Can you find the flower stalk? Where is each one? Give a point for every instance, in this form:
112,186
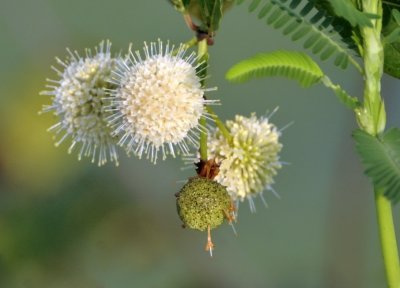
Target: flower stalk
202,55
221,126
189,44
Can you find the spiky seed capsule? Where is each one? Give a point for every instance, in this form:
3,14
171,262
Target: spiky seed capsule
203,203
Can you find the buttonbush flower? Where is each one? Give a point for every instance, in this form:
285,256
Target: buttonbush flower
158,102
78,103
250,160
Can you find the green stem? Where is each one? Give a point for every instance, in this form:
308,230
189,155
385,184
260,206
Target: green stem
189,44
372,119
192,42
203,140
202,55
220,125
388,239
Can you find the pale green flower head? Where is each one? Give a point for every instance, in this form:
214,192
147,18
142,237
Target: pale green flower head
249,162
78,103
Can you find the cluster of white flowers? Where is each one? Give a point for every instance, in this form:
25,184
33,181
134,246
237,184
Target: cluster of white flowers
150,103
153,105
249,160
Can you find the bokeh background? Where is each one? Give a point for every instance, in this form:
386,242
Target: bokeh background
65,223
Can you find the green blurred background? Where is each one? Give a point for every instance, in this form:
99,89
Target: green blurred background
65,223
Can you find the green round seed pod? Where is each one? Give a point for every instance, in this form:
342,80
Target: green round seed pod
203,202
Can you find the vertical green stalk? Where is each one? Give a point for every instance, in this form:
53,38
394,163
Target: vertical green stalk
202,54
388,239
372,119
373,116
203,140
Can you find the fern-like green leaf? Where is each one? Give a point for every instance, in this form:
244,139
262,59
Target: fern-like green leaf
299,19
346,9
350,101
293,65
381,157
211,11
391,33
253,5
185,3
393,37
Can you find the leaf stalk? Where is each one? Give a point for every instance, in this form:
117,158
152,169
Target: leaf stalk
202,55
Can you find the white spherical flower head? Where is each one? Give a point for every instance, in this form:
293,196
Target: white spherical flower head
78,103
159,101
250,160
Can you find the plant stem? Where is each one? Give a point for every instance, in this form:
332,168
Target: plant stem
202,55
203,140
189,44
388,239
220,125
192,42
372,119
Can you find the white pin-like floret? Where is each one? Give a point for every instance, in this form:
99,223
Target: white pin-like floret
77,101
158,102
250,160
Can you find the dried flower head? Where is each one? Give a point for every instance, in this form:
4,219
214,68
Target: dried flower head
78,103
250,160
158,102
203,204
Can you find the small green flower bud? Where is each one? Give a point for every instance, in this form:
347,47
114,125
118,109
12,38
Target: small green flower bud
203,203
